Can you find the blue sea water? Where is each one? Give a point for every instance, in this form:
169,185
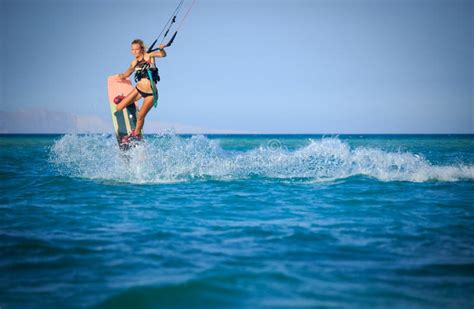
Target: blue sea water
237,221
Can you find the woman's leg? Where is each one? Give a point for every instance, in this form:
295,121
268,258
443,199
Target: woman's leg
132,97
146,106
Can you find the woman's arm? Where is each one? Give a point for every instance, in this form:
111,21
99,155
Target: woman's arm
160,53
128,72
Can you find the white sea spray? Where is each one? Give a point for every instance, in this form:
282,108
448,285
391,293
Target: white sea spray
171,158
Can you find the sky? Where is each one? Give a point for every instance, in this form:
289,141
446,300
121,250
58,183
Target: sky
281,66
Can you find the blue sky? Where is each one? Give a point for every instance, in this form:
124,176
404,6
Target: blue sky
278,66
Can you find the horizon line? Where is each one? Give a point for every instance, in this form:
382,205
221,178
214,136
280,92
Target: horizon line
202,133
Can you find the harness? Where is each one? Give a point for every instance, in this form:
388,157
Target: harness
144,69
141,71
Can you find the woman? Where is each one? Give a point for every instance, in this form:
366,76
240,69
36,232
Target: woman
144,67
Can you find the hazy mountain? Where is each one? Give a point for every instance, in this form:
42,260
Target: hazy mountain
46,121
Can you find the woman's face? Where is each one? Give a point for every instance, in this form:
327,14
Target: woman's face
136,50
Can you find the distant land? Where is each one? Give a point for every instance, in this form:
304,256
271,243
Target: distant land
46,121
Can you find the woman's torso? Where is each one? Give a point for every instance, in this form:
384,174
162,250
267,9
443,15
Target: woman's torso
141,69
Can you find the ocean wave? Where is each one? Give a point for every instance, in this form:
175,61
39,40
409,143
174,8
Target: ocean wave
171,158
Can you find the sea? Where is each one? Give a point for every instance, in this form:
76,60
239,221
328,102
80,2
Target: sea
237,221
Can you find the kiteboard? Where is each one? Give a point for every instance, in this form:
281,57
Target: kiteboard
125,120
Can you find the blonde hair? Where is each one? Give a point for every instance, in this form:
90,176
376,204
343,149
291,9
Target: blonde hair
139,42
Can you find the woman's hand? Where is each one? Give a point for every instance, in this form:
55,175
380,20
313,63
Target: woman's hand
121,77
162,46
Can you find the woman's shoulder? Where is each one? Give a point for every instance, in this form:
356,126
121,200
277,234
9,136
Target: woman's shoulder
147,56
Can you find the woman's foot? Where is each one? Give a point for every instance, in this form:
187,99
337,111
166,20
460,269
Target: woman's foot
133,136
119,99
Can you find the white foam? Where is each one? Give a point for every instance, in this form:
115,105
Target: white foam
170,158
